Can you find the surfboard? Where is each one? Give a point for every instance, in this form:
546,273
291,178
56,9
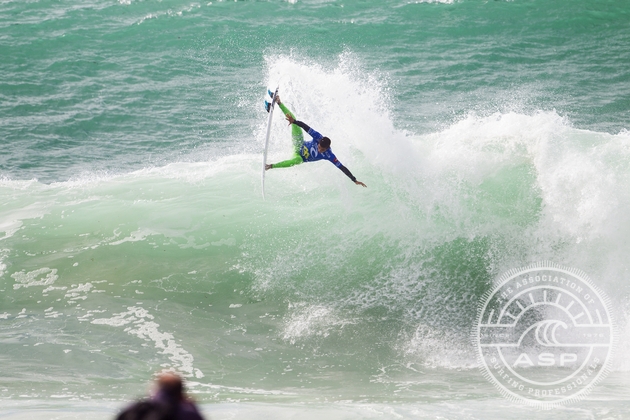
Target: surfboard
269,105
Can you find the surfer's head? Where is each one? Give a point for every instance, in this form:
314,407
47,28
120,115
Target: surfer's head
323,145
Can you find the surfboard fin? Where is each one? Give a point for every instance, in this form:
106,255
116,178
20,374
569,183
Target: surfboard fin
267,102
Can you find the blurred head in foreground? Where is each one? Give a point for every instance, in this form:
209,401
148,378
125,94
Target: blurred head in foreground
169,387
168,403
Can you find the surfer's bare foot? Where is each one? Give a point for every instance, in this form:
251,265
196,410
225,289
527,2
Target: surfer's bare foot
268,166
277,99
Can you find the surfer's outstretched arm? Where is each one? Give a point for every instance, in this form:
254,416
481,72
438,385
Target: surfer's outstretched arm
349,175
295,123
301,125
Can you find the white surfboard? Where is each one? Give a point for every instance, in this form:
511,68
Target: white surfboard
269,100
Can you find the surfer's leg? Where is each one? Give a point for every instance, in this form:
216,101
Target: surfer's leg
297,137
286,110
295,160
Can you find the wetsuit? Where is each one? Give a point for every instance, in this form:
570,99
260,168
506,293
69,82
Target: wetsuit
307,151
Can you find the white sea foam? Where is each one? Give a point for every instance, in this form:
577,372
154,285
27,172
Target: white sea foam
143,327
12,220
78,292
212,388
42,277
438,348
3,255
307,321
138,235
361,123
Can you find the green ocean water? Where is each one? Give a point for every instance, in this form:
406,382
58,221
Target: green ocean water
134,236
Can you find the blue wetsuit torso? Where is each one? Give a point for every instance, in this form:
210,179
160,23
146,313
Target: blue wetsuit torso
309,152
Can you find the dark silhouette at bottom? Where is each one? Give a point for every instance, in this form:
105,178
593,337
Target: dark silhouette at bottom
168,403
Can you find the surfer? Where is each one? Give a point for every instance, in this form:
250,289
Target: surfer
316,149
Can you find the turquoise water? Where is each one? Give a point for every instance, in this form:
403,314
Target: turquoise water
134,237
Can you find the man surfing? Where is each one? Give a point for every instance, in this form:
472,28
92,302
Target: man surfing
316,149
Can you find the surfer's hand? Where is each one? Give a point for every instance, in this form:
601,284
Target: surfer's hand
360,183
290,119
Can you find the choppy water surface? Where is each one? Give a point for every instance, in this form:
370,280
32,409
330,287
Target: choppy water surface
133,234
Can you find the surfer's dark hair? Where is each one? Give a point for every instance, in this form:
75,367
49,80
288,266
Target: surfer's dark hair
325,142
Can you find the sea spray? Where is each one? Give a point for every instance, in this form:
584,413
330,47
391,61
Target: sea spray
130,198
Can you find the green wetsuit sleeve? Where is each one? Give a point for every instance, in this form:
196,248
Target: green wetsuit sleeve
286,110
296,160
